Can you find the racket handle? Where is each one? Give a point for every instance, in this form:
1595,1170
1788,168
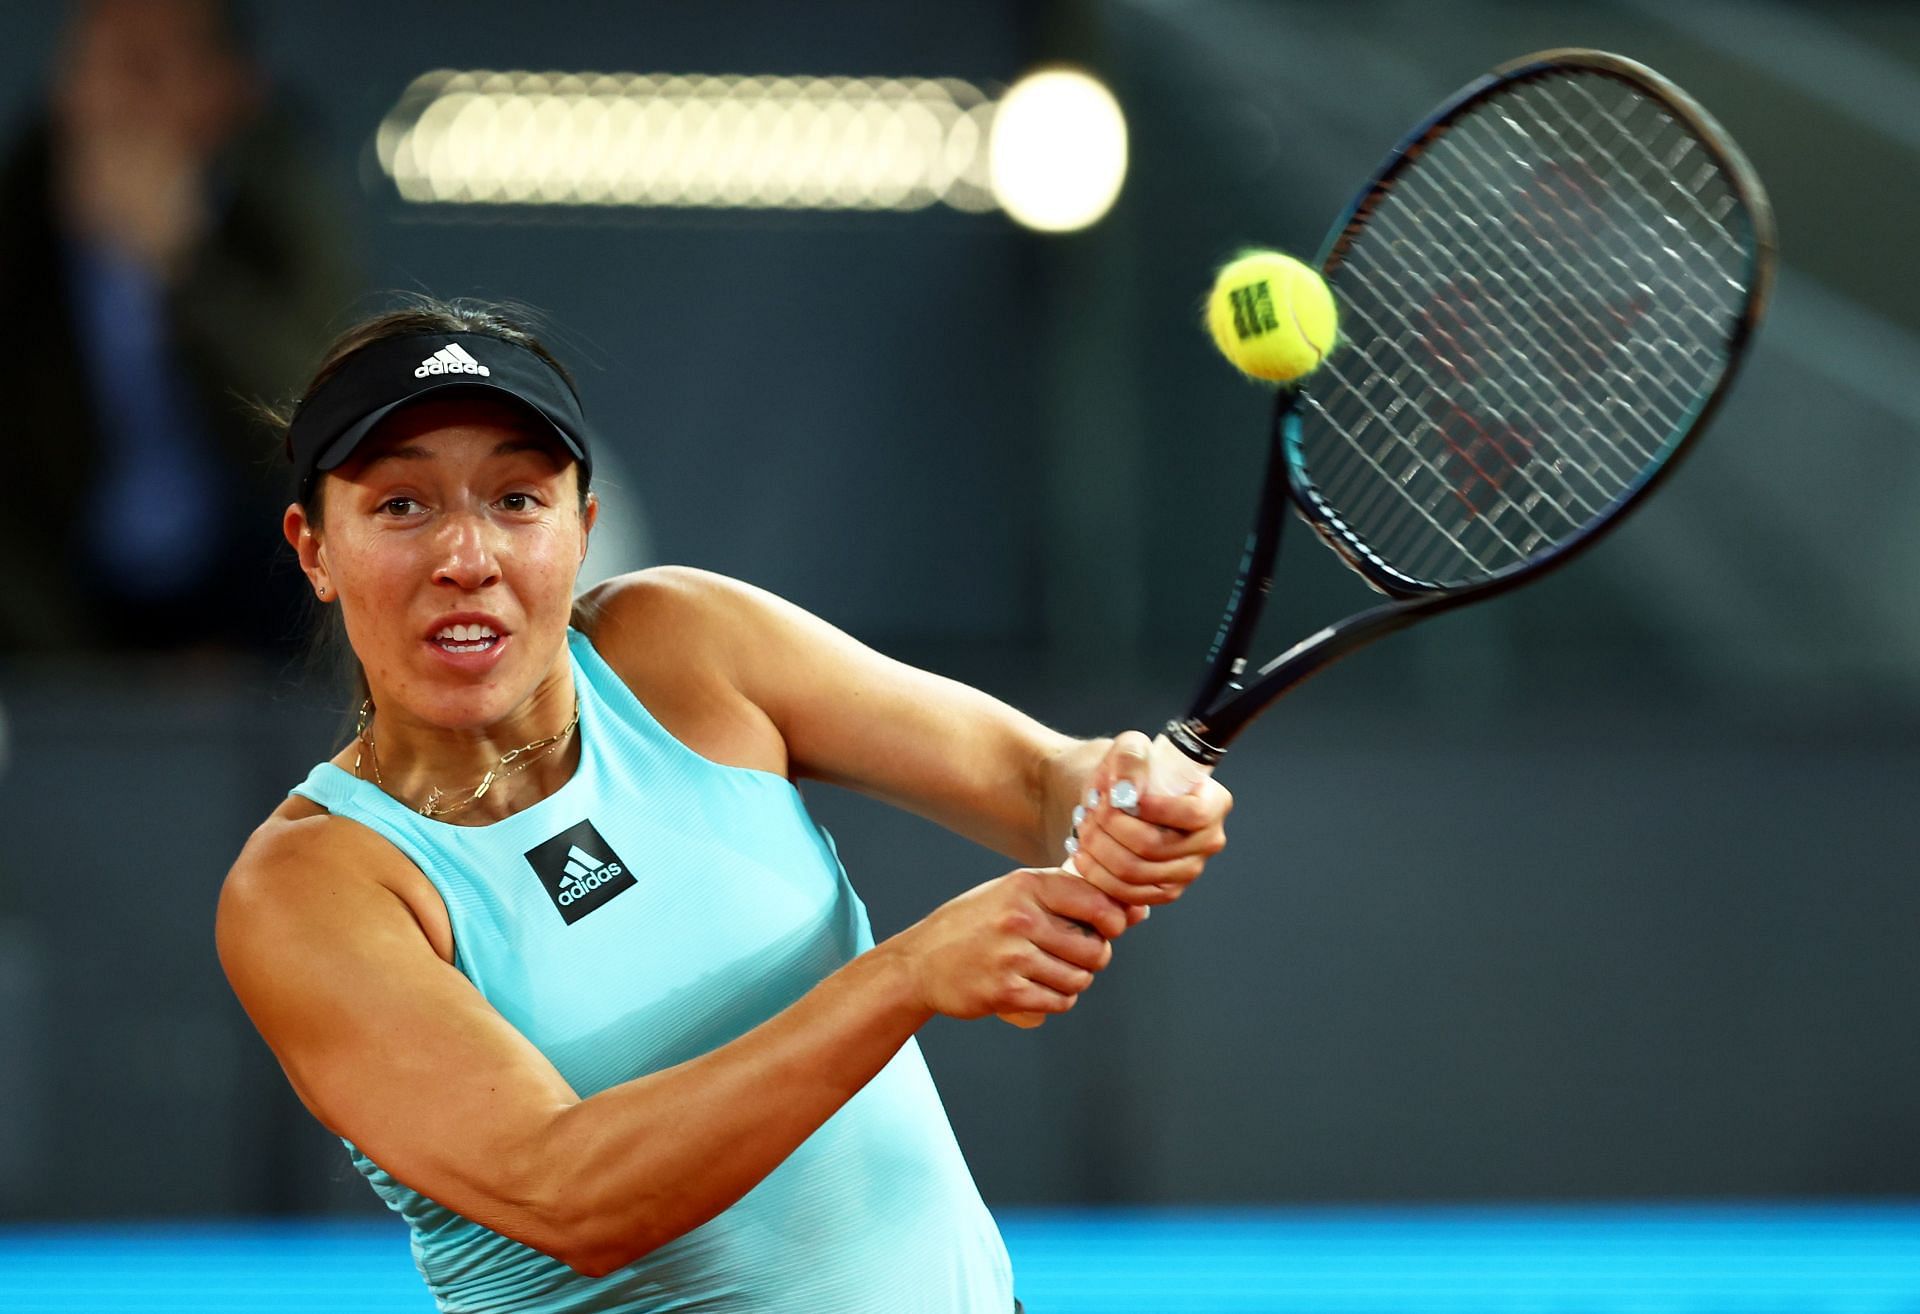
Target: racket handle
1169,771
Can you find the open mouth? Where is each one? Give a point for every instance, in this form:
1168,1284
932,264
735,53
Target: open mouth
466,638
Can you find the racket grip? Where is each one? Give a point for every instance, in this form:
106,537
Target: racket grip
1169,771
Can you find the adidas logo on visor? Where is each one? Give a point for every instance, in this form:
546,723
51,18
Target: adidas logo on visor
451,359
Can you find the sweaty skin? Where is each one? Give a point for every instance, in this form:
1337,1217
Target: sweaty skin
342,952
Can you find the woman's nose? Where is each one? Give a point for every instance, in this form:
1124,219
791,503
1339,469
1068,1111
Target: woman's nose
468,559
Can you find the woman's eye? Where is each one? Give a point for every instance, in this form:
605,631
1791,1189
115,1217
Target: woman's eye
398,506
517,502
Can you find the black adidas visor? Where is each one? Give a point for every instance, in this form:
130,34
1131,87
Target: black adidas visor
378,380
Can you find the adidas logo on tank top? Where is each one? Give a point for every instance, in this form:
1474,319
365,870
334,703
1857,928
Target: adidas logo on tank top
580,871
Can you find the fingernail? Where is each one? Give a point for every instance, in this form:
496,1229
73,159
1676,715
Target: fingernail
1079,815
1145,912
1126,796
1073,846
1093,797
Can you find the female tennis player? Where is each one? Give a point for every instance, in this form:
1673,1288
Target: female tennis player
553,944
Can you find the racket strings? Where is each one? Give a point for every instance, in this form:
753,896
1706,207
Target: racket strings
1445,487
1666,172
1397,385
1534,310
1580,329
1361,511
1716,277
1452,349
1463,436
1556,233
1402,386
1693,265
1611,461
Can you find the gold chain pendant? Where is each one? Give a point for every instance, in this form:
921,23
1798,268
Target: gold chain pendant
432,807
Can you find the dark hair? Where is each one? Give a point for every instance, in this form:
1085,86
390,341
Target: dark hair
415,313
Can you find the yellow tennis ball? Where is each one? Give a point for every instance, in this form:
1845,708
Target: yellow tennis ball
1272,316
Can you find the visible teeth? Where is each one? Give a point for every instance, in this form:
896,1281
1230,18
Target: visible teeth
465,633
481,646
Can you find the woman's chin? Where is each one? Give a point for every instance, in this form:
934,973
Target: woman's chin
471,690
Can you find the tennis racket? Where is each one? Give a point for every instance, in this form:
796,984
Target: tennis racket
1544,293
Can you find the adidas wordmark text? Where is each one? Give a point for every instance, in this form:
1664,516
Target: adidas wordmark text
451,359
579,870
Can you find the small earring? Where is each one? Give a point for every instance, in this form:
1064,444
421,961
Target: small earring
320,592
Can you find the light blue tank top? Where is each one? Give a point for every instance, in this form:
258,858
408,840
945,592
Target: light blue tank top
651,909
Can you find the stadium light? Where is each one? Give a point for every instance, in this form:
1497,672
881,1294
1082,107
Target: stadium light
1059,150
482,138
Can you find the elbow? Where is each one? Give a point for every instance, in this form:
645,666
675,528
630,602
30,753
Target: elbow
595,1252
579,1243
589,1238
592,1264
593,1210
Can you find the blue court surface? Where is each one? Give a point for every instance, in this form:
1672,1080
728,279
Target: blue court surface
1576,1260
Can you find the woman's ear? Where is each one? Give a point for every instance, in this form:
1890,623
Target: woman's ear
305,542
589,517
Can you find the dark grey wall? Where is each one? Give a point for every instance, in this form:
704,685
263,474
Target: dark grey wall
1604,890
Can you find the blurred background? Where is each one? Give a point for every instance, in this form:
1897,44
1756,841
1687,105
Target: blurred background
1600,894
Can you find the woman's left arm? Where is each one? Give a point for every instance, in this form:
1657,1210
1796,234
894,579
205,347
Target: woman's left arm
854,717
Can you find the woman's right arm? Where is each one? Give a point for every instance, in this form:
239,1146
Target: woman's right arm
391,1047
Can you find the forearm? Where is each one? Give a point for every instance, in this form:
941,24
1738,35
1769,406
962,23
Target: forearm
643,1162
970,763
853,717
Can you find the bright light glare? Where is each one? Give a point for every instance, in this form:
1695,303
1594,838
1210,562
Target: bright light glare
1052,153
1058,152
686,140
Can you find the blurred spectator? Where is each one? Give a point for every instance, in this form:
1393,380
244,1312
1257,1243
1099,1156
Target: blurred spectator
167,246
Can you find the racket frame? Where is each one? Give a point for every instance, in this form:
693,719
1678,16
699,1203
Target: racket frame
1209,724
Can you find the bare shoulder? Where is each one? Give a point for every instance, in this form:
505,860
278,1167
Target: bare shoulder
686,641
304,866
384,1040
627,615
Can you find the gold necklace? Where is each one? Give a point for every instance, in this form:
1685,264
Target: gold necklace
539,748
